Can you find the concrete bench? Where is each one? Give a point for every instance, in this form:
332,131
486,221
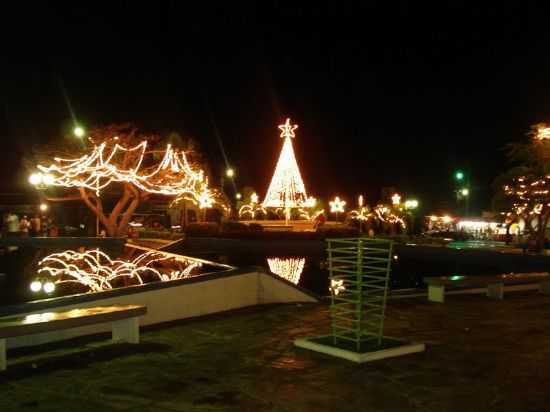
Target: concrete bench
123,318
494,284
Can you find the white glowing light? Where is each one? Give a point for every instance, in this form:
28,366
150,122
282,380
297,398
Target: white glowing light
230,173
337,286
36,286
78,131
446,219
287,188
396,199
49,287
43,207
48,179
360,201
411,204
254,198
543,133
289,268
337,205
35,179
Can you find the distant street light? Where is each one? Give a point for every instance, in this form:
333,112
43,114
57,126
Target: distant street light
465,192
238,196
49,287
79,131
459,175
40,179
43,207
411,204
230,173
36,286
35,179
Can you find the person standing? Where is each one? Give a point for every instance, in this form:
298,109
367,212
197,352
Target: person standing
24,226
35,225
13,224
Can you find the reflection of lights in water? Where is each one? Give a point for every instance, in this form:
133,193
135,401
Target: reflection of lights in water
97,271
337,286
38,317
289,268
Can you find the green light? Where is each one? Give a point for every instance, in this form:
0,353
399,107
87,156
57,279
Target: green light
459,175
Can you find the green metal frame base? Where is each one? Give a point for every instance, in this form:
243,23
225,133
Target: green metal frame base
389,348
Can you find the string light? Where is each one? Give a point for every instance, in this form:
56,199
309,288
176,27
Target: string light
287,188
543,133
95,171
288,268
337,286
396,199
337,205
529,195
362,214
386,214
95,270
251,211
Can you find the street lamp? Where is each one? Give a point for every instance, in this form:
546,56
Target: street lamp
459,175
238,196
465,192
41,179
410,206
79,131
43,207
230,173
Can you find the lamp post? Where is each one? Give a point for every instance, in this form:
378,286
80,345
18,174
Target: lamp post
79,131
410,206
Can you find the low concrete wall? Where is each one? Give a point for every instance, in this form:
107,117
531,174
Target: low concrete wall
231,290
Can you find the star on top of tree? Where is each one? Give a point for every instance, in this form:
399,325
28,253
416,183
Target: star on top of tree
287,130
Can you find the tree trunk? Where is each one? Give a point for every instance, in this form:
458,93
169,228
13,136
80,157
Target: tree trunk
541,231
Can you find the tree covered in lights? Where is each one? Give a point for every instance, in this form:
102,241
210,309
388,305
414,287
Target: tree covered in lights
287,190
116,169
524,190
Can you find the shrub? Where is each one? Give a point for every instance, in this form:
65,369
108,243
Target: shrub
202,229
157,234
231,226
328,232
255,227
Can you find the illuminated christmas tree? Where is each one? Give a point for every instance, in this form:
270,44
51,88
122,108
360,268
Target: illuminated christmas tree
287,188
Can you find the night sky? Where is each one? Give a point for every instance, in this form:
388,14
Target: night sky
391,95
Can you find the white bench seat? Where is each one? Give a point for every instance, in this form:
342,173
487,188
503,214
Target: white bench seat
123,318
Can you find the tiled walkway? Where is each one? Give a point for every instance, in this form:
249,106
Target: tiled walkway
482,355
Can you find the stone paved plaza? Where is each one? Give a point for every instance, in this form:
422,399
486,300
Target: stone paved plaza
482,355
